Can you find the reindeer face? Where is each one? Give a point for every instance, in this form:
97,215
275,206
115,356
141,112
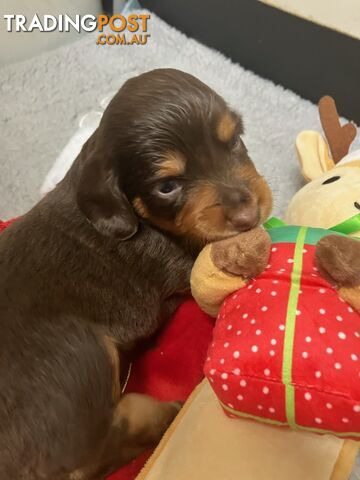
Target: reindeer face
332,195
328,200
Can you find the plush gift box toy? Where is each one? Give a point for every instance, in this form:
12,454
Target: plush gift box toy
286,345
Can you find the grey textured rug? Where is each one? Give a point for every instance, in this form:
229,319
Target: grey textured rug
42,100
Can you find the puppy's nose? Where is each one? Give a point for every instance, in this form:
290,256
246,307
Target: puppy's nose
244,218
233,197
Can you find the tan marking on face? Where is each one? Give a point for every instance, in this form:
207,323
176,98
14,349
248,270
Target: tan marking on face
203,218
226,128
140,208
258,186
172,165
202,215
113,354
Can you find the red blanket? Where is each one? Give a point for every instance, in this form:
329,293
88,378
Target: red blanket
172,369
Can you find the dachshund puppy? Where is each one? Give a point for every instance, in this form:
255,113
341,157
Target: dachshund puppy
101,262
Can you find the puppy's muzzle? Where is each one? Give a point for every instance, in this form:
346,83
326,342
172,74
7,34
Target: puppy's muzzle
241,208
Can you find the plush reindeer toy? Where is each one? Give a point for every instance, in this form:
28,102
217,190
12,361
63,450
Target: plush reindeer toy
286,345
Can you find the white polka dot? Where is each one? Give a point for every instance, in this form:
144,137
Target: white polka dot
225,387
243,383
300,291
307,339
271,409
307,396
275,282
356,408
322,290
254,348
229,327
250,286
212,371
224,376
258,290
208,359
357,334
234,297
273,293
322,330
230,405
268,266
354,357
339,318
290,260
337,365
305,354
253,321
315,269
222,361
271,353
237,307
282,270
240,397
298,312
329,406
318,420
341,335
281,327
238,332
274,249
350,310
260,407
258,332
266,390
345,420
304,250
236,371
273,341
245,315
329,350
226,344
322,311
236,354
264,308
267,372
317,374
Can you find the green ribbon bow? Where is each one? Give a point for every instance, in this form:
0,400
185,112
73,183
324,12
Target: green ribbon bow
351,225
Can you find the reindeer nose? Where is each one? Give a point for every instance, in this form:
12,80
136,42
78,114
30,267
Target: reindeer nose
244,218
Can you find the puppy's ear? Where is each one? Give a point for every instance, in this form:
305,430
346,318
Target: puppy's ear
102,201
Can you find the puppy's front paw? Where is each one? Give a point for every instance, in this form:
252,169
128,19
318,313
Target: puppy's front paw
338,260
246,254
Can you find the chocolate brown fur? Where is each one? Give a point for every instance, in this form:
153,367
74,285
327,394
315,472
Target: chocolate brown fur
83,275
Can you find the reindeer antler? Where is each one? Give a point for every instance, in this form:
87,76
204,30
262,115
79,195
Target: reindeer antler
339,137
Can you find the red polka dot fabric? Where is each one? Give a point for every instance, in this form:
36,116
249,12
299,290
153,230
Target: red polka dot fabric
245,363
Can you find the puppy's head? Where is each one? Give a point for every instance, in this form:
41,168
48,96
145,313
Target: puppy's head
169,150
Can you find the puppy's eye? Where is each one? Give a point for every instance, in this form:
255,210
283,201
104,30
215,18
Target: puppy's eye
169,189
357,205
331,180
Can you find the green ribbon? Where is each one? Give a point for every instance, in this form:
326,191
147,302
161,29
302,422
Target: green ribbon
351,225
274,222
